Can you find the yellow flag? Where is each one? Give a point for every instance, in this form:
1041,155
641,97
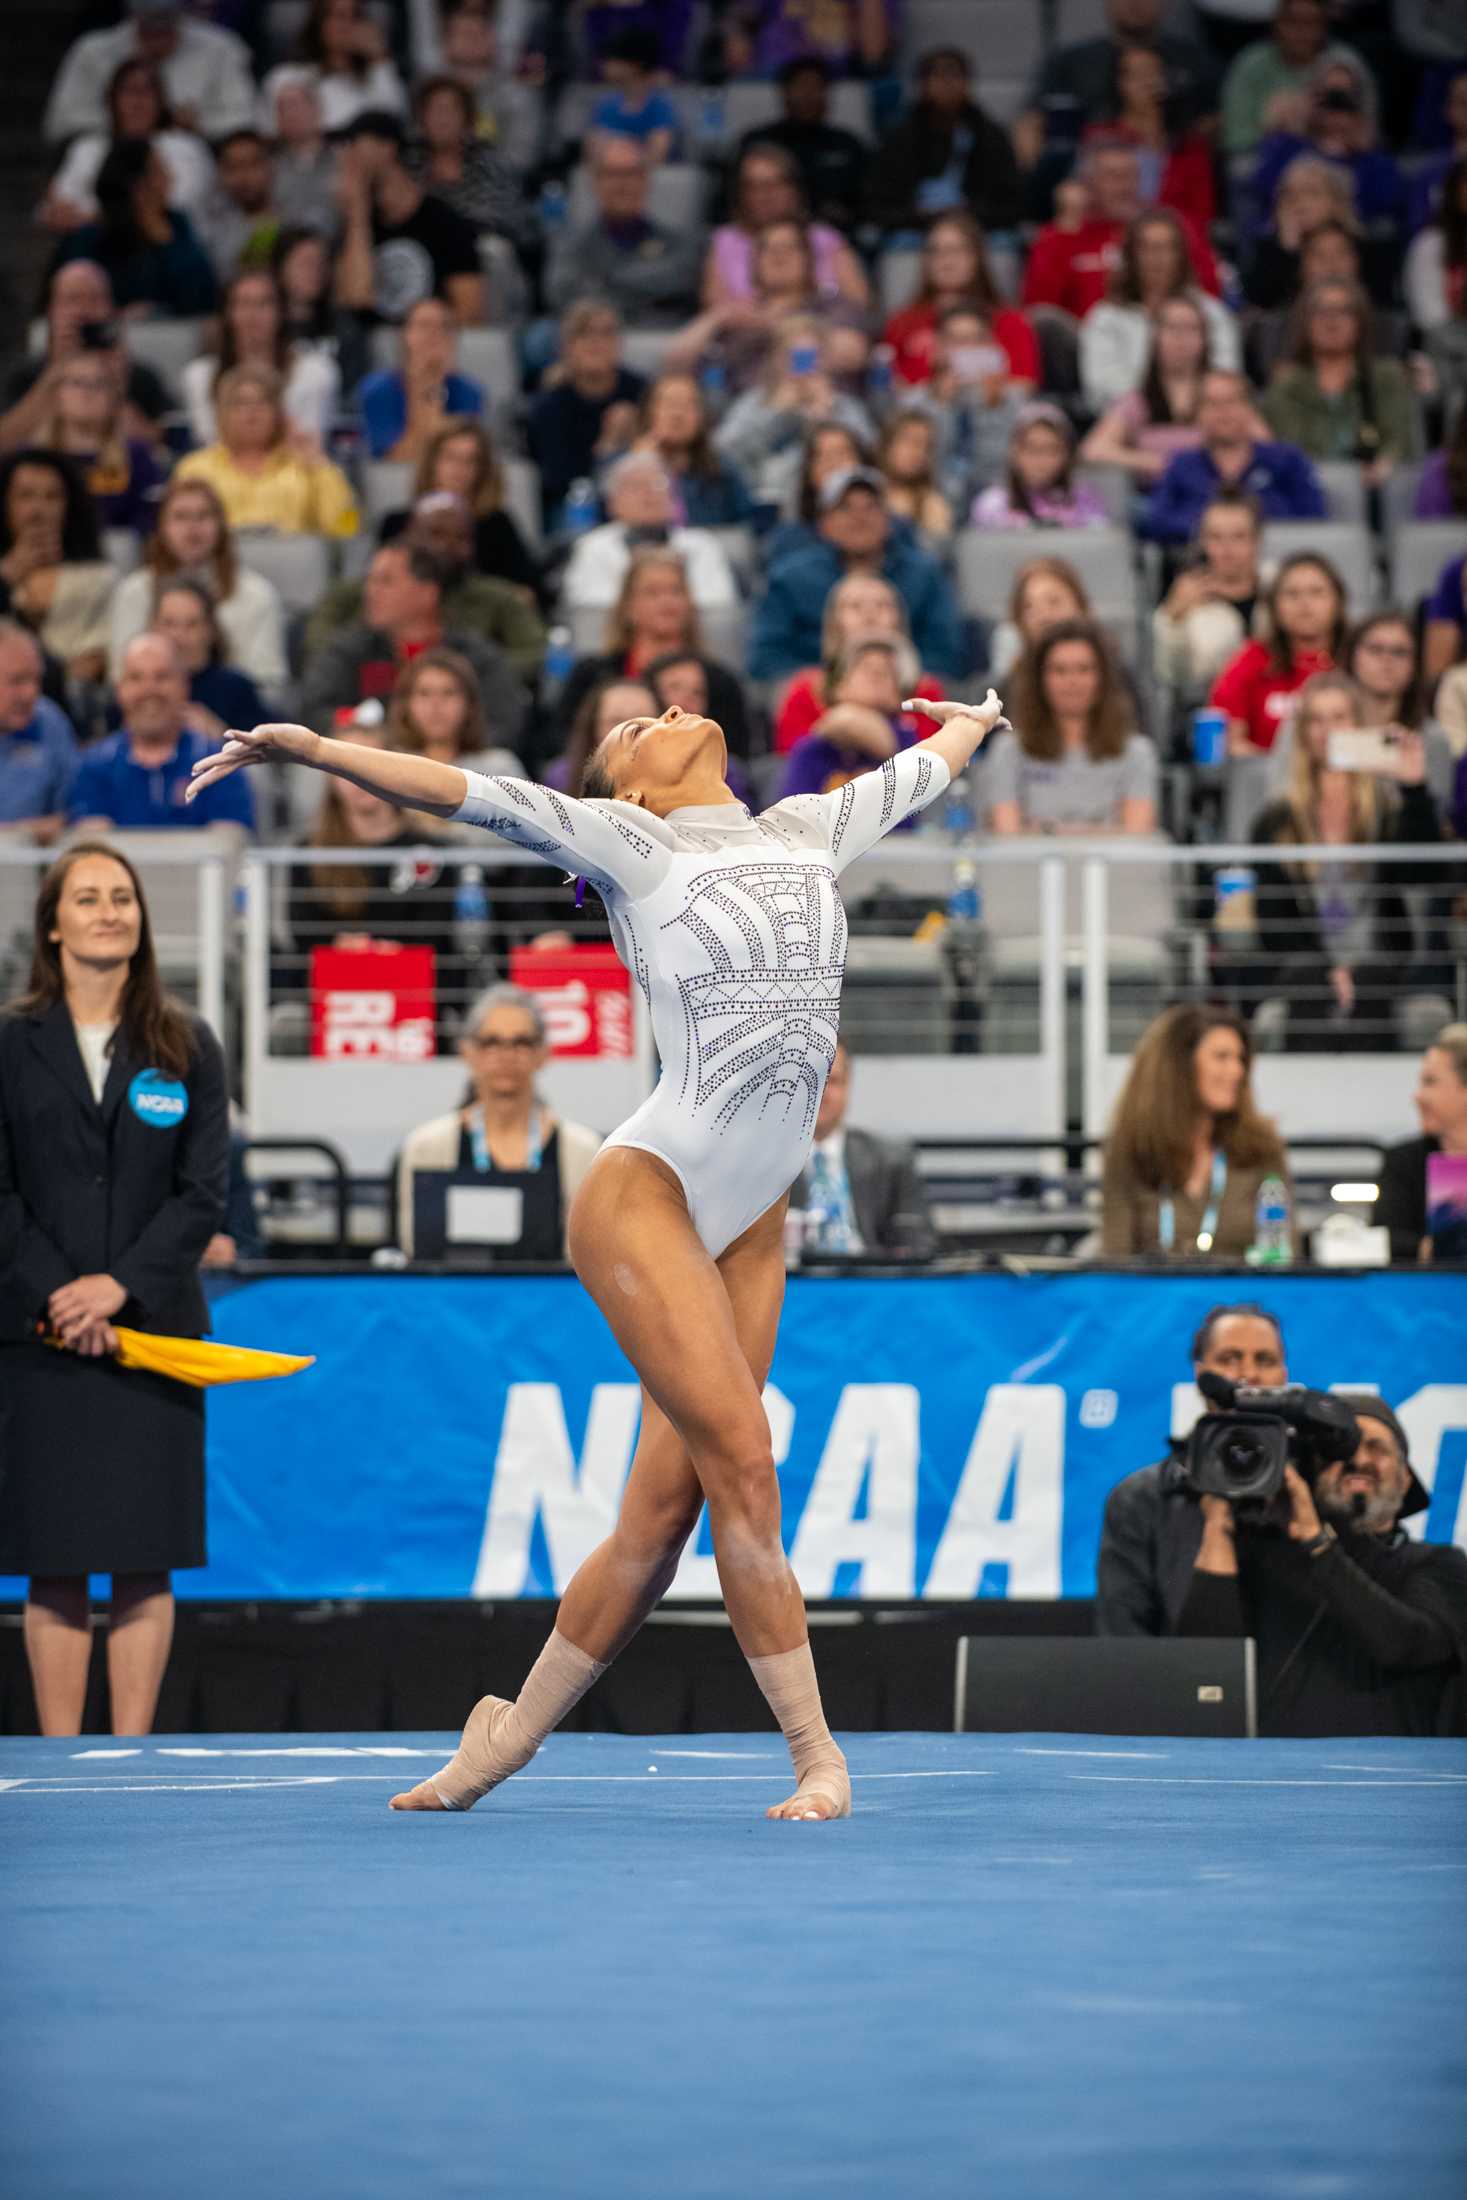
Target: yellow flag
195,1360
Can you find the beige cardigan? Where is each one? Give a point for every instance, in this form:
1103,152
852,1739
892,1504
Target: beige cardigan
435,1146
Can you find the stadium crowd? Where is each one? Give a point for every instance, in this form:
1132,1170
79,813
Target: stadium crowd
472,375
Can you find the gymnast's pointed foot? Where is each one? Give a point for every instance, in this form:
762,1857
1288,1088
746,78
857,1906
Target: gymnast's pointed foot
825,1792
475,1767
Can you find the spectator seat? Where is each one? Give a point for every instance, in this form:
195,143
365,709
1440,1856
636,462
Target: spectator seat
165,346
988,561
19,882
1059,350
898,278
1344,489
1419,550
1112,484
1398,497
644,349
989,32
387,485
747,106
674,197
121,548
300,566
522,499
1348,544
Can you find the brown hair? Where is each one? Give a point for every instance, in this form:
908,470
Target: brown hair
1299,348
1280,648
1153,1129
1057,569
1411,711
488,490
403,734
1112,719
618,637
1125,282
585,740
702,458
159,559
153,1023
983,292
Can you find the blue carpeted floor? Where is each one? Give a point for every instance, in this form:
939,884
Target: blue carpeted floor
1029,1966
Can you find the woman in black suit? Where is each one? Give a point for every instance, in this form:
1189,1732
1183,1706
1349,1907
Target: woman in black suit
114,1151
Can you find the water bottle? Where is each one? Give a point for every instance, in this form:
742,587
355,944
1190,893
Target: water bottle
957,810
879,374
1272,1246
581,508
965,902
560,655
553,205
471,915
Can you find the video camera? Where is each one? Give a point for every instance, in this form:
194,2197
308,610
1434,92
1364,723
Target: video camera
1240,1452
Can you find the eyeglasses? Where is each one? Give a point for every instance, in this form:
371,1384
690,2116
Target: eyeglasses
1388,649
522,1043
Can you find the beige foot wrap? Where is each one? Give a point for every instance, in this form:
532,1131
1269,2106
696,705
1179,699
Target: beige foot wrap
793,1695
500,1737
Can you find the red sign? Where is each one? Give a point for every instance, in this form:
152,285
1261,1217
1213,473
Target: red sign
584,995
373,1004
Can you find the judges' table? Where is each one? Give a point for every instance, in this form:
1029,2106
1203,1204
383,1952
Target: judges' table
939,1436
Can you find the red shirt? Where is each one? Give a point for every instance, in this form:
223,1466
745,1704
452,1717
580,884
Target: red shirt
804,703
1258,690
912,335
1072,267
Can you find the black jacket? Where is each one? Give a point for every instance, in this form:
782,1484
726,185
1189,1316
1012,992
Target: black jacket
1288,915
1400,1205
1369,1638
112,1190
887,1195
918,148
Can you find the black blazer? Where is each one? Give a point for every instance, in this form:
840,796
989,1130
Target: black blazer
1400,1205
88,1190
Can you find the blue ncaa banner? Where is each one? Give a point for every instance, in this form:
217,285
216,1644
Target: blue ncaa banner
937,1436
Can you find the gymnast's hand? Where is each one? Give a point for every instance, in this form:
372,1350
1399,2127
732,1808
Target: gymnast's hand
240,750
962,727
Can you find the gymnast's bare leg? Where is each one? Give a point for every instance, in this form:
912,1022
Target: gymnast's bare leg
701,1335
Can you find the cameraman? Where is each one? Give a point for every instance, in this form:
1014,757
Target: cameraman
1359,1630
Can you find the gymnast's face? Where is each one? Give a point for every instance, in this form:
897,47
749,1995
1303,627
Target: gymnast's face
657,761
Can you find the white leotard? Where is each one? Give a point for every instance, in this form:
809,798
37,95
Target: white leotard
733,928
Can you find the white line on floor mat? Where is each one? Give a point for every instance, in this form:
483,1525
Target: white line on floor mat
1243,1780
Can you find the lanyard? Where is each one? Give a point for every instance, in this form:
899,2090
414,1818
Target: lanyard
1166,1221
479,1145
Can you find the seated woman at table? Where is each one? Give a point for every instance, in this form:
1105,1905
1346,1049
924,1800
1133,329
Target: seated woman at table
1441,1103
504,1135
1337,940
1076,761
1187,1149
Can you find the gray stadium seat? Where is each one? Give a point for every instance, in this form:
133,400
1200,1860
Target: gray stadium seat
19,882
165,346
1112,484
522,498
1344,489
1419,550
299,565
1349,546
121,549
898,277
1398,497
387,485
1102,556
1077,19
992,33
644,349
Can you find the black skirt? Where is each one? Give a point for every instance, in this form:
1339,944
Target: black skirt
101,1468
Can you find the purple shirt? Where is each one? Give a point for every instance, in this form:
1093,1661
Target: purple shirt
1434,490
816,763
1446,599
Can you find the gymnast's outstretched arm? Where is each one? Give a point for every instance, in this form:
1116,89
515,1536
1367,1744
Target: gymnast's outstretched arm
413,782
962,728
610,843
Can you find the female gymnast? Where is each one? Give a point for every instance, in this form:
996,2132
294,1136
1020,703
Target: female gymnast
733,927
